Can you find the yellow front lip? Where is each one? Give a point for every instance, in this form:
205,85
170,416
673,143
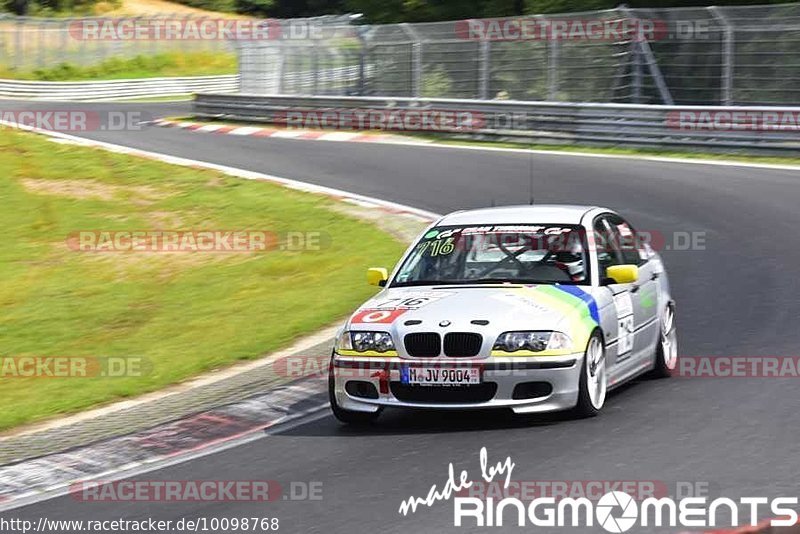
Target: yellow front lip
387,354
529,353
519,353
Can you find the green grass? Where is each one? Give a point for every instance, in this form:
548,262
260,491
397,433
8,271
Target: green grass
169,64
183,313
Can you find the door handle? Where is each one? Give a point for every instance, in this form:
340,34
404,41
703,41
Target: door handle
654,276
634,289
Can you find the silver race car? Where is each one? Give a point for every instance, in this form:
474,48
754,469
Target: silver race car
532,308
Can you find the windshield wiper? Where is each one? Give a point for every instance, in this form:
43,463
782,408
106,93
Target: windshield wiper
421,283
504,281
479,281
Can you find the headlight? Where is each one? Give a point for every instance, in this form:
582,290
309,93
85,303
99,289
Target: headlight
344,342
532,341
365,341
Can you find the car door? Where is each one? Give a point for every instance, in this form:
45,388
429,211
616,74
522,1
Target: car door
609,253
644,293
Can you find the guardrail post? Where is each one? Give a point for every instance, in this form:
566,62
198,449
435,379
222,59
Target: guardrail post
726,93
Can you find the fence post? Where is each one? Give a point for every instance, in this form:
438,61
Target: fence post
361,33
484,69
726,94
416,60
239,48
63,31
553,49
281,67
315,67
636,82
17,63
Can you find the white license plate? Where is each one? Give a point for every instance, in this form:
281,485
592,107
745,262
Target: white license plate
440,376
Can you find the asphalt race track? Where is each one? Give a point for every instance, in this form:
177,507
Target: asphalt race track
738,297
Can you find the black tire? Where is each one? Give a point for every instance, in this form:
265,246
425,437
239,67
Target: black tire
663,368
348,416
585,407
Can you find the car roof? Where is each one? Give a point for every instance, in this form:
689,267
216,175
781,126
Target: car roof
536,214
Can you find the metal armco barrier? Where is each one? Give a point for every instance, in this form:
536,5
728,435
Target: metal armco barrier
115,89
742,129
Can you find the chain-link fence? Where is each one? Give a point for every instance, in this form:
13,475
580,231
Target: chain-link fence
28,43
715,55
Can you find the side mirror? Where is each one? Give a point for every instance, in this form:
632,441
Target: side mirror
377,276
623,274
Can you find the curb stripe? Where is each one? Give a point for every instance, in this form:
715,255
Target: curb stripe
411,141
313,135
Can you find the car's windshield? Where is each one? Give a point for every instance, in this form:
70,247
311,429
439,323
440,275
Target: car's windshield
530,253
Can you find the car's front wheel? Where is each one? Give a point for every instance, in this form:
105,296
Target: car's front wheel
349,417
593,383
667,346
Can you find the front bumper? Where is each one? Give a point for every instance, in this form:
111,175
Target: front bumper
523,384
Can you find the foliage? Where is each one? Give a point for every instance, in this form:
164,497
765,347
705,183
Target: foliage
167,64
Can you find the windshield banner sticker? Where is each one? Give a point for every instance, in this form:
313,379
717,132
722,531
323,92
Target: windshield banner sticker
377,316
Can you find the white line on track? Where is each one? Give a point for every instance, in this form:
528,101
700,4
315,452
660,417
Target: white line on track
564,153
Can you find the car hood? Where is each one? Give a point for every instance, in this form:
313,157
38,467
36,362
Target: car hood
488,309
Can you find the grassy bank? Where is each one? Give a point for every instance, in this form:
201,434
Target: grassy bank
180,313
168,64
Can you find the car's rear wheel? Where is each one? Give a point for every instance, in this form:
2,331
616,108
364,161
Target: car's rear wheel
593,384
349,417
667,346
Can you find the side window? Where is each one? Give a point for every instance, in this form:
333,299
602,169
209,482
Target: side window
608,253
625,237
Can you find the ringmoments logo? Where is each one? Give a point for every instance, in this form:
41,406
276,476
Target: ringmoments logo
605,511
615,511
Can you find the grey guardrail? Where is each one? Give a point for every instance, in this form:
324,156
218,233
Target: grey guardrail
114,89
713,127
